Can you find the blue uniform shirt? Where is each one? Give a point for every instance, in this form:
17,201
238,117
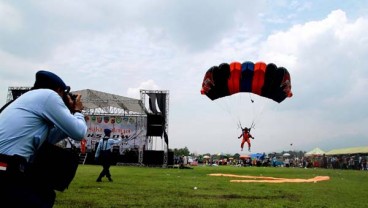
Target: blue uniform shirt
106,145
25,123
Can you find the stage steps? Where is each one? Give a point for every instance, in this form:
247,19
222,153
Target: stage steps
82,158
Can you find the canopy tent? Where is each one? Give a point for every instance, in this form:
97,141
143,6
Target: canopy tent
286,154
244,156
315,152
221,154
258,155
348,151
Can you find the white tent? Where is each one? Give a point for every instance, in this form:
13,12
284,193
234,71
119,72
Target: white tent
349,150
315,152
286,154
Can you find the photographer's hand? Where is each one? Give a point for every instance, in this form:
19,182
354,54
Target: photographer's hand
77,104
68,102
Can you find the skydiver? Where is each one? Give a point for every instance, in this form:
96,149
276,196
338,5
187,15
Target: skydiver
246,135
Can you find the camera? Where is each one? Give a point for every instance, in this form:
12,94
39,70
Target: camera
72,96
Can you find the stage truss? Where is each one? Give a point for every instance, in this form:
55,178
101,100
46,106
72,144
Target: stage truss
144,97
15,92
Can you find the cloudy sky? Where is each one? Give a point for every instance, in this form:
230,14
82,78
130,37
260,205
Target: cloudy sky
123,46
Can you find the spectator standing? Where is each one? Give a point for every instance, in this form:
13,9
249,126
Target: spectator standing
324,161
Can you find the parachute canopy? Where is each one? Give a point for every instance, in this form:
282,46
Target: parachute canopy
266,80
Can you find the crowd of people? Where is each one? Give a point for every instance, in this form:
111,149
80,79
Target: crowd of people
353,162
356,162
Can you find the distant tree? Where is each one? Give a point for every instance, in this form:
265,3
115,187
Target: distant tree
182,151
200,158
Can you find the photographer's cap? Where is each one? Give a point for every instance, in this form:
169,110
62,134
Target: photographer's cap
46,79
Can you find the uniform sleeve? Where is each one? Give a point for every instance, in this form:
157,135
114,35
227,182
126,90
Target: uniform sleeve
56,135
115,141
57,113
97,154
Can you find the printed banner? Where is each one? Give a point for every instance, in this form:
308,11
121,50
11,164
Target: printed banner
132,129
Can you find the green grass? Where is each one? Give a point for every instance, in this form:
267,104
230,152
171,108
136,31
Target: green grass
171,187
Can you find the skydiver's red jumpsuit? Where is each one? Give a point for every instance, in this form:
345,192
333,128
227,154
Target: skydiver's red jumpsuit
246,138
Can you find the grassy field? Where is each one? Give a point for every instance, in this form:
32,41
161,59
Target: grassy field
172,187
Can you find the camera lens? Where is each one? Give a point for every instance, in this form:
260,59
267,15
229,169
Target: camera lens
72,96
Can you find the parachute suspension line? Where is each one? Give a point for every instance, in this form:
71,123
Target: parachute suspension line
252,125
257,111
242,109
254,113
253,104
239,125
250,97
226,106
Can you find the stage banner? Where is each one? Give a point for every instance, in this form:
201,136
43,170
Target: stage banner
132,129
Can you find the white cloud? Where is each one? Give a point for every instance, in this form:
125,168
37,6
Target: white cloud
146,85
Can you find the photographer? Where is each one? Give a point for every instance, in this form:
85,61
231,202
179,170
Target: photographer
46,113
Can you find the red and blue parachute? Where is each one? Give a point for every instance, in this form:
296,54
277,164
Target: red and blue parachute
266,80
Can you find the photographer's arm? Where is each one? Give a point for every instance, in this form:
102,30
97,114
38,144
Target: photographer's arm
59,114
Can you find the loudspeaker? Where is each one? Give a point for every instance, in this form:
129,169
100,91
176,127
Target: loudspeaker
152,157
155,125
170,160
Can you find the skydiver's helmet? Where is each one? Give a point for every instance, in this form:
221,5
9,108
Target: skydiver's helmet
245,129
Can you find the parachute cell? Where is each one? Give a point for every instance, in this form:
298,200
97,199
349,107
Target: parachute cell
266,80
246,78
235,75
258,78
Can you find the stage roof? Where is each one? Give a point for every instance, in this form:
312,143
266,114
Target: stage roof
96,102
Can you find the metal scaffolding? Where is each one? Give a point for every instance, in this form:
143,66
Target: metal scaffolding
165,114
15,92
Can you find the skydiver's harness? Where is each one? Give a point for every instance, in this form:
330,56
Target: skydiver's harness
250,128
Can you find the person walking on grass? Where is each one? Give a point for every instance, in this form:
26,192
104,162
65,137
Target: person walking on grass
104,154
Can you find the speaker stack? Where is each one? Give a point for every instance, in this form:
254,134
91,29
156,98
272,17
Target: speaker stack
155,125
